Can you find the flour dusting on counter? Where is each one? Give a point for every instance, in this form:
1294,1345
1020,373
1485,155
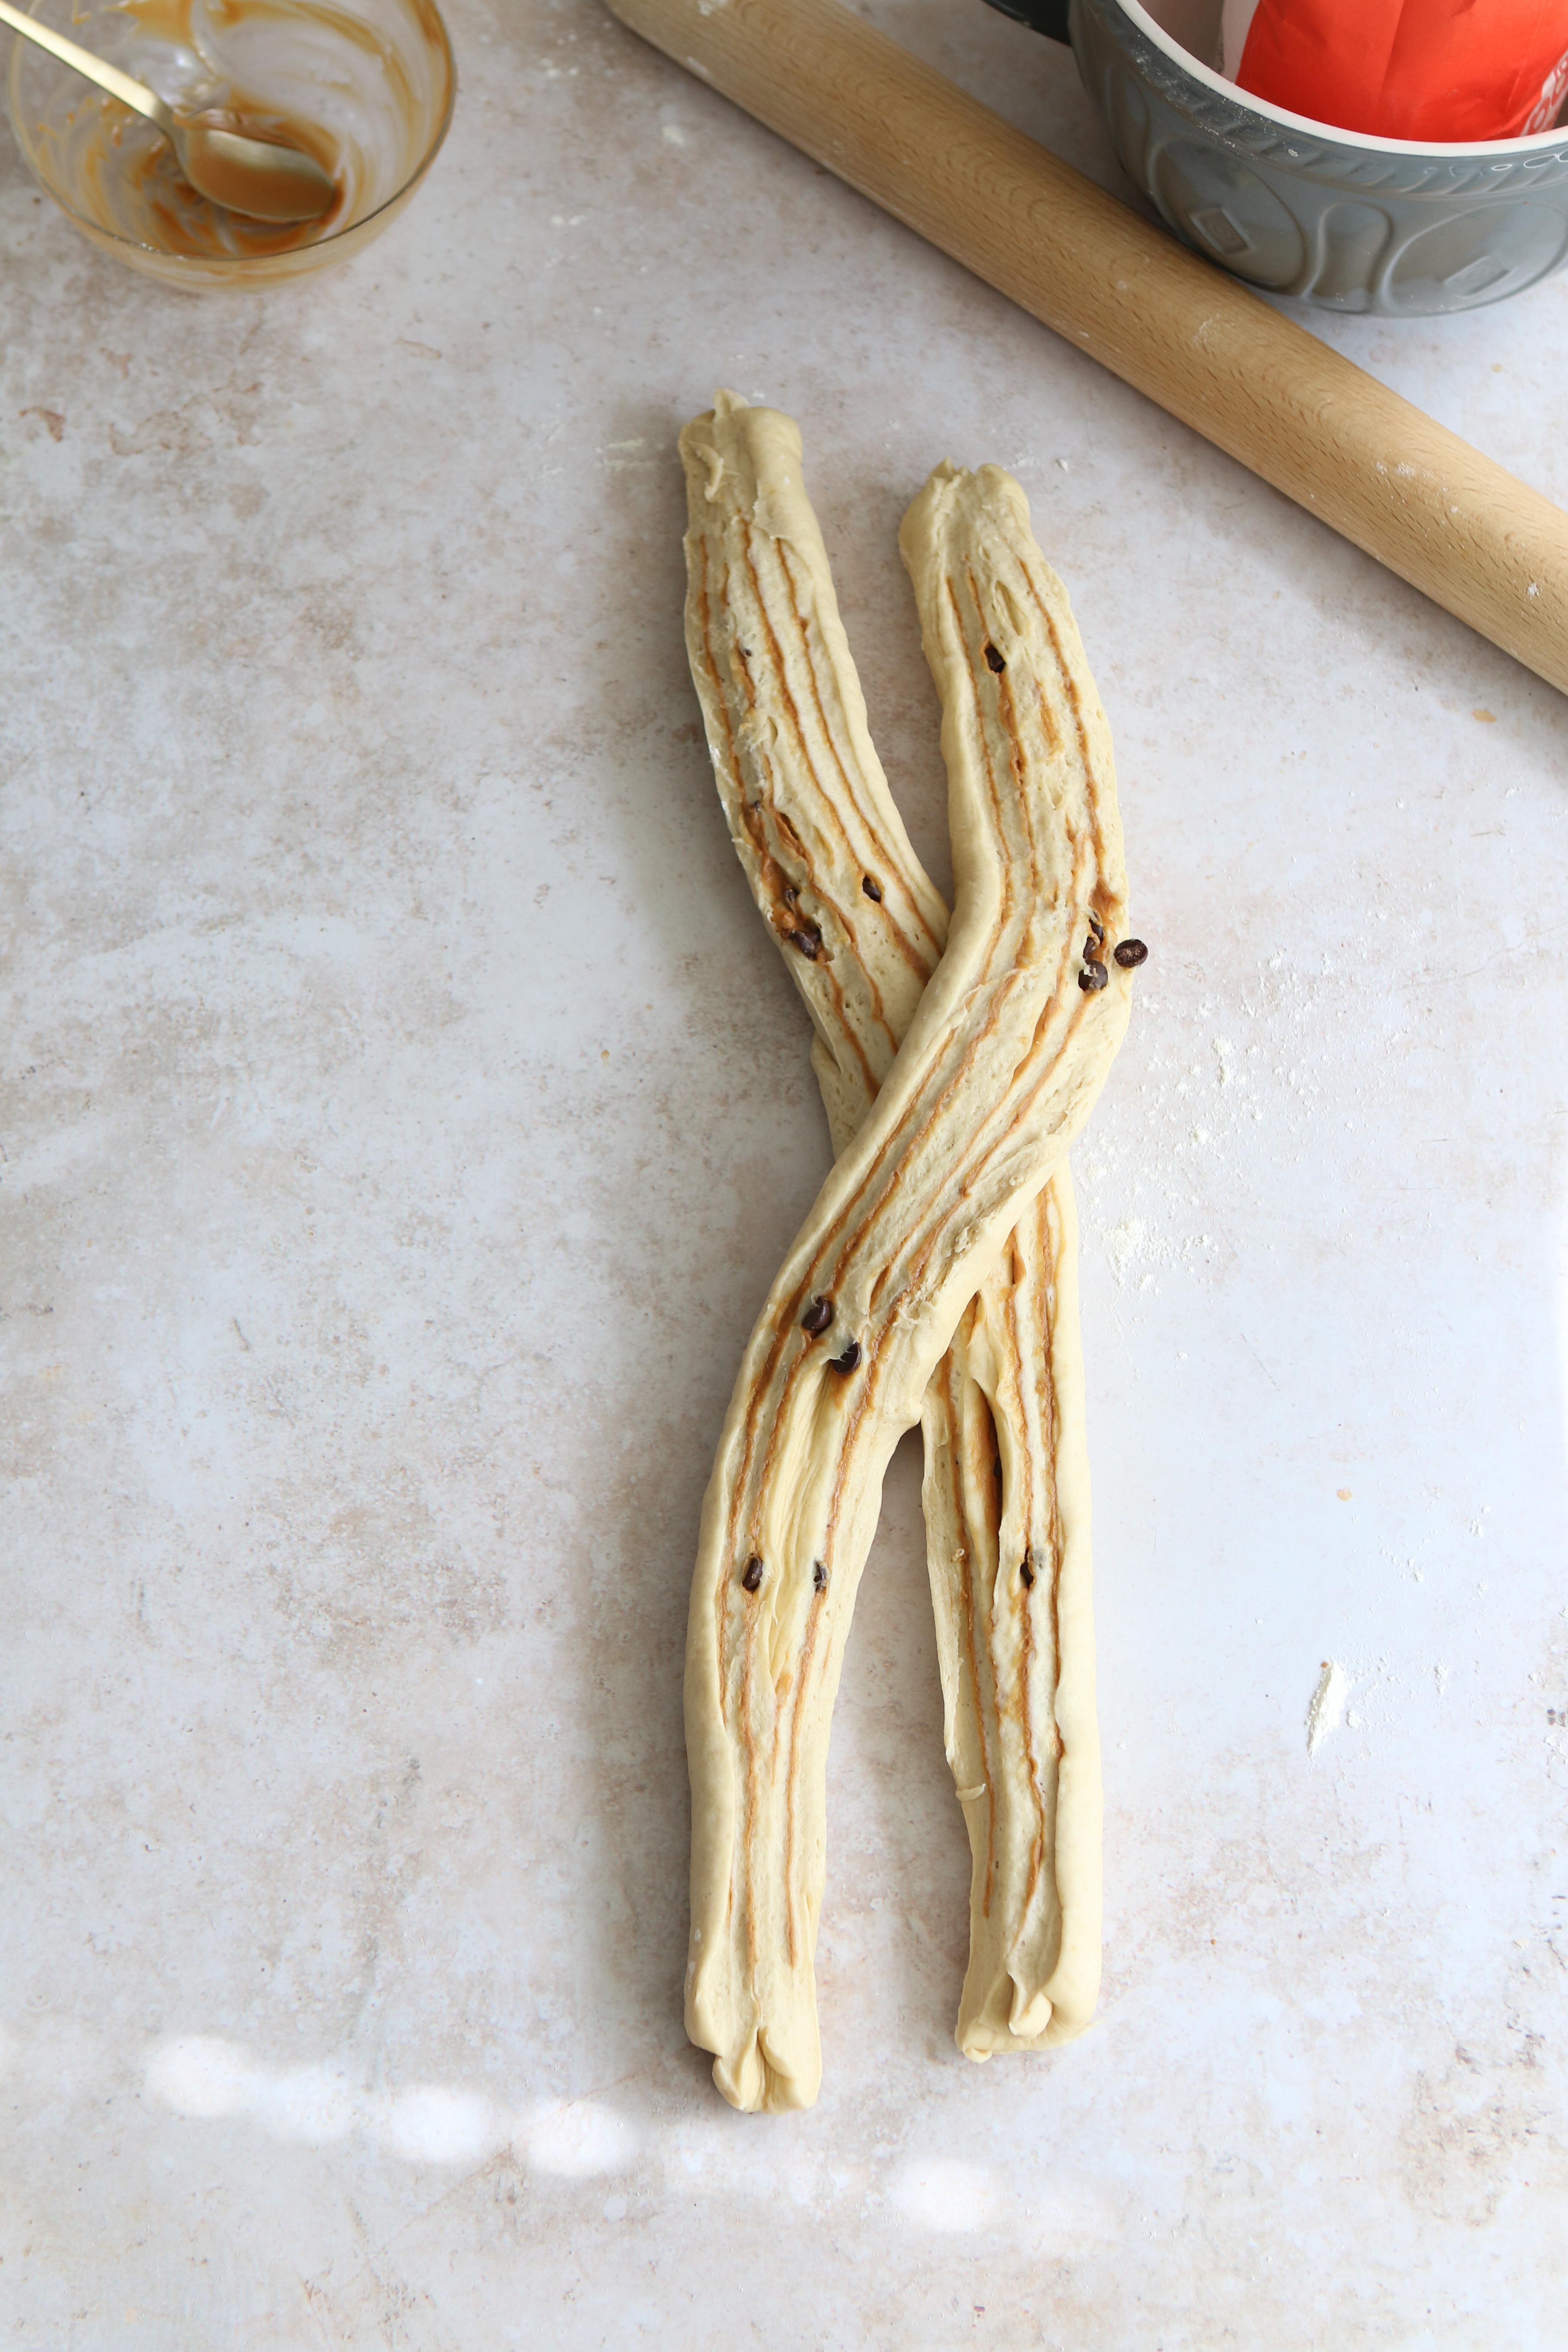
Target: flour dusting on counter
1328,1704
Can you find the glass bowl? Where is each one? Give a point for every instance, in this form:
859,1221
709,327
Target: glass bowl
366,85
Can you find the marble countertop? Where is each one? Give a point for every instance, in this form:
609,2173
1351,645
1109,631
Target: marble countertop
404,1112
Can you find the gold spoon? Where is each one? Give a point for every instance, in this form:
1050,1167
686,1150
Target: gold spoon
260,177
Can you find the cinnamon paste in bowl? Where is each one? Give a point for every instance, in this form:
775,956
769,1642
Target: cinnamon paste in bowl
364,86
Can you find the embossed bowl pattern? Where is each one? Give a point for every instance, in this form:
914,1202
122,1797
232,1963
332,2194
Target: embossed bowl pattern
1345,221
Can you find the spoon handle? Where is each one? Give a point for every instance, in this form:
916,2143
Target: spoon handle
134,94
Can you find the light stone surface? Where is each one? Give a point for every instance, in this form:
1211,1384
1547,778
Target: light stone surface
404,1112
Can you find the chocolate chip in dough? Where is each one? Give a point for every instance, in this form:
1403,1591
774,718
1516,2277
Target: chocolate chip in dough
818,1578
996,660
752,1574
872,889
849,1360
1131,953
817,1317
1094,975
1028,1571
808,939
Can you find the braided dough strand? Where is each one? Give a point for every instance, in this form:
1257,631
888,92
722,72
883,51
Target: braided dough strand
1017,1654
1006,1467
1004,1056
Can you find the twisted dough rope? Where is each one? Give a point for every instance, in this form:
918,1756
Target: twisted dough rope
814,821
1005,1057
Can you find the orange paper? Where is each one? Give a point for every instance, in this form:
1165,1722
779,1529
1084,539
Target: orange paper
1437,70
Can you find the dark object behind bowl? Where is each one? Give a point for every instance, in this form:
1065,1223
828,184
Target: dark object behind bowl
1402,230
1048,17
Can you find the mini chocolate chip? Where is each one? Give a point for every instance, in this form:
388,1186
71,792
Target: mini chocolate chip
1131,953
808,939
1094,975
996,660
752,1574
819,1578
849,1360
791,893
872,889
817,1317
1095,925
1028,1571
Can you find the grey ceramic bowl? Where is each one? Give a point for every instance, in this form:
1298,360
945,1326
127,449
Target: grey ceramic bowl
1347,221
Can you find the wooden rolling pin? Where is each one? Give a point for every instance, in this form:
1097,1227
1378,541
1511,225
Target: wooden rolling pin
1468,534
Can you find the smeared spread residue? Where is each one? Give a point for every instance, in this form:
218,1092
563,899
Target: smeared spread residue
366,99
1328,1704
